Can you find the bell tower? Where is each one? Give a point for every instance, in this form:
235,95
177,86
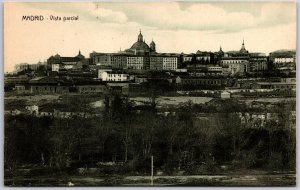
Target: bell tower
152,46
140,37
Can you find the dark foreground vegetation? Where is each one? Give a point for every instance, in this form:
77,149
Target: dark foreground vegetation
122,140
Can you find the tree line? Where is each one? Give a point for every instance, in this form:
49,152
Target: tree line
130,137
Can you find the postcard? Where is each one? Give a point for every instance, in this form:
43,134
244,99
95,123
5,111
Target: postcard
149,94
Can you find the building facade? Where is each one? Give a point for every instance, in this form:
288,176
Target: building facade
170,63
66,62
138,62
156,63
114,76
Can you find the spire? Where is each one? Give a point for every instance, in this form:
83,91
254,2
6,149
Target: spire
140,36
221,51
152,46
80,55
243,49
152,42
243,44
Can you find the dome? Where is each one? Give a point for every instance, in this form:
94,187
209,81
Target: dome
140,46
80,56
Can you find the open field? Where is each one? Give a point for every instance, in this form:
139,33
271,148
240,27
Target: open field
194,180
33,98
163,100
267,100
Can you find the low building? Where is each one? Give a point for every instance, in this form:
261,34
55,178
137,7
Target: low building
100,71
118,88
91,89
236,65
46,111
206,73
140,79
204,57
66,62
225,94
136,88
20,88
214,68
277,85
114,76
56,67
49,85
13,81
100,59
258,62
34,109
46,89
28,67
187,57
196,81
284,59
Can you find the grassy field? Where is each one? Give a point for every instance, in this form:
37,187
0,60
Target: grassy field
165,100
195,180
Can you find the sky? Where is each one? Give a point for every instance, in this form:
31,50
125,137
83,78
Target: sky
175,27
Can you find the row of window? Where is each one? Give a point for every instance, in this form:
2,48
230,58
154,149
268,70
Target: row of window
49,88
200,81
112,79
90,89
116,75
214,68
238,61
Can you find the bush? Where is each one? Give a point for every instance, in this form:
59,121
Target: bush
275,162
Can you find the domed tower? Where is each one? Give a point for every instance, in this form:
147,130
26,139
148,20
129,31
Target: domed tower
140,37
140,47
152,46
80,56
243,49
221,51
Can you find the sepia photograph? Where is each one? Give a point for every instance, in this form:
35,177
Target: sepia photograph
150,94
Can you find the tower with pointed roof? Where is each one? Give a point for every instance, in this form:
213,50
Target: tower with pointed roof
243,49
80,56
221,51
152,46
140,47
140,37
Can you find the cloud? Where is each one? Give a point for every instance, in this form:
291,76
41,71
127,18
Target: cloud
175,28
213,17
207,17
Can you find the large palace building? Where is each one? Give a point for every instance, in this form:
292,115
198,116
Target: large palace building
140,56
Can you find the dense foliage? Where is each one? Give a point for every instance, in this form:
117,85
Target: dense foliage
129,137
